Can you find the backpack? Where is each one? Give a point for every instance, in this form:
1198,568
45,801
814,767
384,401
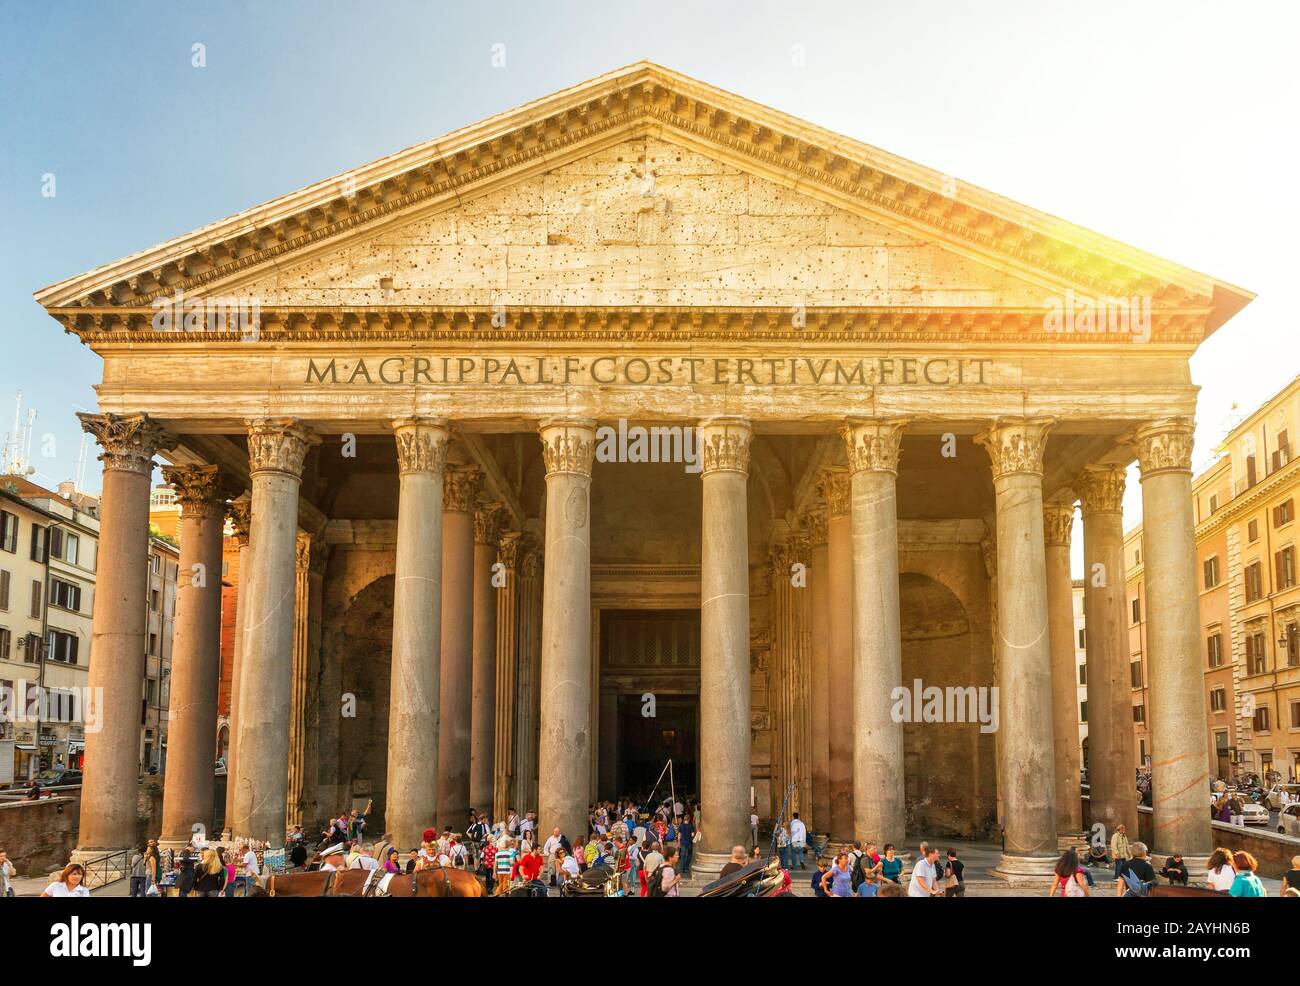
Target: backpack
564,844
655,882
859,873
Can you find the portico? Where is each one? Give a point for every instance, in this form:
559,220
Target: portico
882,408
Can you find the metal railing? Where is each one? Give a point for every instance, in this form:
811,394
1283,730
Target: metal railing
106,869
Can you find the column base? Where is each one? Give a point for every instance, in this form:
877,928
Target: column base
1072,840
1025,870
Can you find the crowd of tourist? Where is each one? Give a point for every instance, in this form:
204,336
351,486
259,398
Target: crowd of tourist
646,850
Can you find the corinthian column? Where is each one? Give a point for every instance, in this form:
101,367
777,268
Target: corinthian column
510,552
487,532
1178,768
724,634
241,518
565,754
196,655
1058,524
276,450
1027,774
878,795
108,793
1112,794
834,487
459,496
815,526
413,699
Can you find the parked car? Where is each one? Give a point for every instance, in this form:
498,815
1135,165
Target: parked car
1253,813
1273,797
1288,820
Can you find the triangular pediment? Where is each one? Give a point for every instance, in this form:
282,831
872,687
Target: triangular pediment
762,209
644,222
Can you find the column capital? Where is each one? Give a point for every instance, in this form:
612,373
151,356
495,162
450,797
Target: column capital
814,527
278,445
1101,489
489,519
724,444
568,445
833,485
873,444
1058,523
1016,445
1164,446
129,441
531,567
421,444
240,511
201,490
510,549
460,488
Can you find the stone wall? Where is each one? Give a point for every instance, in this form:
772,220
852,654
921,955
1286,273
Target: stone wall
39,835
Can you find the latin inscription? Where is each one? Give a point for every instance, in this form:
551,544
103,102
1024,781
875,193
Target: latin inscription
563,371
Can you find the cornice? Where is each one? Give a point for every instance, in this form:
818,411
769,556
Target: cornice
1265,489
644,99
388,323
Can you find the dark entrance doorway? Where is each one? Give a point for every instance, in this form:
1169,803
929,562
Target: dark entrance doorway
649,701
646,743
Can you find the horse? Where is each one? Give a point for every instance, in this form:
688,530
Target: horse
434,881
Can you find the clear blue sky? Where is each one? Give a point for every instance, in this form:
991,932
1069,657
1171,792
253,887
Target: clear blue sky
1169,125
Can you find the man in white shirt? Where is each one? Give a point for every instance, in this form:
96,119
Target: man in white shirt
753,827
925,878
527,826
250,870
798,840
548,850
367,861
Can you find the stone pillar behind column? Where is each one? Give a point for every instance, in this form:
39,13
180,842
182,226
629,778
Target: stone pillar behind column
241,518
1112,792
487,532
834,487
276,450
1015,447
879,798
196,656
460,493
413,702
108,793
724,635
818,585
565,754
1058,523
1179,776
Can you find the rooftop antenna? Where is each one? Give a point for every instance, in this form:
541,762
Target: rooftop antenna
27,441
10,460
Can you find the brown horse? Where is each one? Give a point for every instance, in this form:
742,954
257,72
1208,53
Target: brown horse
436,881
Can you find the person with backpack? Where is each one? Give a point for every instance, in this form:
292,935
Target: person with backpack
666,879
1068,880
649,865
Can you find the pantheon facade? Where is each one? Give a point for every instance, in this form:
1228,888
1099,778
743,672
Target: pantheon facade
881,394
